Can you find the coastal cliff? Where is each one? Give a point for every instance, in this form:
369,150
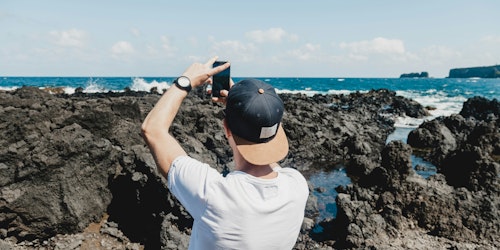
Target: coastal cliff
76,174
481,72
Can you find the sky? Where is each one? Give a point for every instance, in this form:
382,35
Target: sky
314,38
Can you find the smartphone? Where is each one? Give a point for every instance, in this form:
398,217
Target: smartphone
220,81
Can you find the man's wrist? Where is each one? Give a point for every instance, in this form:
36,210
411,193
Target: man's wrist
184,83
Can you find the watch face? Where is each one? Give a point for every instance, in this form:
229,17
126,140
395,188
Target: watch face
183,81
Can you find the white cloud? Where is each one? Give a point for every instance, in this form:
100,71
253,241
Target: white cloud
491,39
194,58
439,53
135,31
193,41
307,52
167,45
358,58
378,45
122,48
69,38
378,51
235,49
151,50
274,35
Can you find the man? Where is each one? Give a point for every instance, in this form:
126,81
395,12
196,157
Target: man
259,205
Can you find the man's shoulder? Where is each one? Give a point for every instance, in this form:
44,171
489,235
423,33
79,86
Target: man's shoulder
297,181
289,170
186,160
294,173
188,167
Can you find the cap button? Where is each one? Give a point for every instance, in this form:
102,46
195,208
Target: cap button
261,91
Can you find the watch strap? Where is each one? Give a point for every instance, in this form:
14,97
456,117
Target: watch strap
185,88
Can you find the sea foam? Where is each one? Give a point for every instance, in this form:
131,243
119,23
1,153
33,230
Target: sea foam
140,84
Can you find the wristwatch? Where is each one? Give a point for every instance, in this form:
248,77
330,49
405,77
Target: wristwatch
183,83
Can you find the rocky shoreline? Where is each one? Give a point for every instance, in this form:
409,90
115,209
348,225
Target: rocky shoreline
76,174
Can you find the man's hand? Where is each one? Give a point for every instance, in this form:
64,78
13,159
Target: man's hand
223,93
200,74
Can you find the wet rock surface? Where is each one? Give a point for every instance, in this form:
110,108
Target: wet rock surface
76,174
464,147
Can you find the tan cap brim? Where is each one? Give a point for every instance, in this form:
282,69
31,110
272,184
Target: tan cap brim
264,153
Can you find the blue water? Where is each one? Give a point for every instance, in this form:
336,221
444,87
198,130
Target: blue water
447,87
421,166
326,195
330,180
446,95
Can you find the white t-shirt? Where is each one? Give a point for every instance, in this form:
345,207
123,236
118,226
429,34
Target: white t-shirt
239,211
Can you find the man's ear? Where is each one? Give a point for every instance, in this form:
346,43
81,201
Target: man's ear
227,131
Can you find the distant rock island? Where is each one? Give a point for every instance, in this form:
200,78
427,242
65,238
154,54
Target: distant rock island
415,75
481,72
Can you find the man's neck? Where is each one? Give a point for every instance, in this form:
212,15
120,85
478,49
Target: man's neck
264,172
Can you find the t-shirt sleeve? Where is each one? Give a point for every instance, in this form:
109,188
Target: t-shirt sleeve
188,180
300,186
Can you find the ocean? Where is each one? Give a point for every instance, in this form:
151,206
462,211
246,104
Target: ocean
445,95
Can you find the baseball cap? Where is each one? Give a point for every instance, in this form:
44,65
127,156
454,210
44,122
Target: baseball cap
253,114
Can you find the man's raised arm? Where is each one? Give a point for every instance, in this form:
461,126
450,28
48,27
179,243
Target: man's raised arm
155,128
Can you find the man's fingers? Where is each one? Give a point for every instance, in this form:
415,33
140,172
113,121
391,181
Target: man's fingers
219,100
211,61
219,69
222,98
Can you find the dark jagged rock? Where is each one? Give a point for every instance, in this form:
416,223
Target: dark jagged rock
481,108
67,161
350,129
464,147
400,202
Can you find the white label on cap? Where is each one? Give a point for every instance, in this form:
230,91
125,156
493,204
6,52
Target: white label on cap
267,132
